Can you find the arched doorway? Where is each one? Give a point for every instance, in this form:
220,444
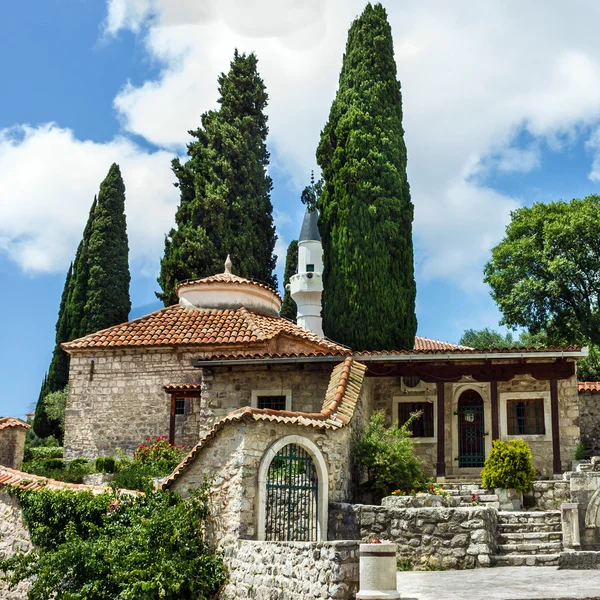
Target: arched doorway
293,492
471,447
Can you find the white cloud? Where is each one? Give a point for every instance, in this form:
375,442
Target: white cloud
473,76
48,179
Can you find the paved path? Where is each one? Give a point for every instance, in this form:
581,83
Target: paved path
502,583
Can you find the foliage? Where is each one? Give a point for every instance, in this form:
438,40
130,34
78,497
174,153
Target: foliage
107,299
588,368
289,310
387,456
545,273
490,338
42,452
156,457
580,451
430,488
365,210
311,193
103,546
509,465
225,205
56,468
105,464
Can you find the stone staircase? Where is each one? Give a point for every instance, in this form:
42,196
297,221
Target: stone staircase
528,539
466,490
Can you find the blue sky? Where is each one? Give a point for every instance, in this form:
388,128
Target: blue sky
490,126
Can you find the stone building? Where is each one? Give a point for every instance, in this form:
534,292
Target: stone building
253,396
12,441
589,416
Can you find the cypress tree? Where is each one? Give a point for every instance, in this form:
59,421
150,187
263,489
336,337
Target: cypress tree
365,209
107,300
225,205
289,310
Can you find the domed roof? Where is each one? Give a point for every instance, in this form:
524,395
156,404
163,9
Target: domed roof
228,291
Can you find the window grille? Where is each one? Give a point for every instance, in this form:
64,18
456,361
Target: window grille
422,426
526,417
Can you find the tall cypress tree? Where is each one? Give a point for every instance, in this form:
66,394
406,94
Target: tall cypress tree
107,300
365,209
289,310
225,205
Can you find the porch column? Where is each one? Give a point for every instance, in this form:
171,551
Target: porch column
557,466
495,410
440,469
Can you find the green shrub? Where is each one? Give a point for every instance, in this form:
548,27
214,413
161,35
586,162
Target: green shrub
580,451
94,547
387,456
509,465
57,468
42,452
105,464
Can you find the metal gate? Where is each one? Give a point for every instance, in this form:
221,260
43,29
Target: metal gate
471,449
292,497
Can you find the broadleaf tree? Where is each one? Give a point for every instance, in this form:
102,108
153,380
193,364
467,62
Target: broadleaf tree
365,209
225,205
545,273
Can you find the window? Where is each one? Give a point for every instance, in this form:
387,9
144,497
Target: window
272,402
526,417
310,268
180,406
274,399
421,427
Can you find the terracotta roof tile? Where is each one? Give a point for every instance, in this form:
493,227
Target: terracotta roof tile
339,404
12,422
183,387
588,386
27,481
178,326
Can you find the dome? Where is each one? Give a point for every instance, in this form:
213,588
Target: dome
228,291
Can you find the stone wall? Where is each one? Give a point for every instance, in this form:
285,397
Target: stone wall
547,495
451,538
14,537
292,570
117,397
12,446
232,460
589,421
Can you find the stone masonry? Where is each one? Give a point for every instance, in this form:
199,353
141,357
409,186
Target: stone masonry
589,421
14,537
12,446
292,570
450,538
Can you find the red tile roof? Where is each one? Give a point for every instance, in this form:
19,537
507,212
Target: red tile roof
226,278
338,408
27,481
205,328
12,422
588,386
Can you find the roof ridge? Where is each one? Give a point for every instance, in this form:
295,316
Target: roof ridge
13,422
248,317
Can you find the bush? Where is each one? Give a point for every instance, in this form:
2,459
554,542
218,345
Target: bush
42,452
57,468
102,546
580,451
509,465
105,464
387,456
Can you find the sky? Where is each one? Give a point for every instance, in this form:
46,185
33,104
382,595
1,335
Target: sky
501,109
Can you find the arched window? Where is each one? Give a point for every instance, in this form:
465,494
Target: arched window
293,492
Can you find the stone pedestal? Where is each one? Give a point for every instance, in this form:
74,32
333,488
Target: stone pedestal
509,499
378,572
570,525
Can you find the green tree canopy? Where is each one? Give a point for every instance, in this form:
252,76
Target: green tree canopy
491,338
225,206
289,310
365,209
545,273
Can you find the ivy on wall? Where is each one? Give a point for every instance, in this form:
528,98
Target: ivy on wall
99,546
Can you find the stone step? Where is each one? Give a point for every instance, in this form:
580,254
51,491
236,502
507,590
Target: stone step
530,547
525,560
541,518
530,537
508,528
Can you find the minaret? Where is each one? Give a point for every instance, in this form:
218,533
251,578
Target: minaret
306,287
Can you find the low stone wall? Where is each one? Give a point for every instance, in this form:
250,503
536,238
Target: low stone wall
14,537
292,570
547,495
451,538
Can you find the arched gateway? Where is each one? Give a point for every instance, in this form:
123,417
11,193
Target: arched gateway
293,492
